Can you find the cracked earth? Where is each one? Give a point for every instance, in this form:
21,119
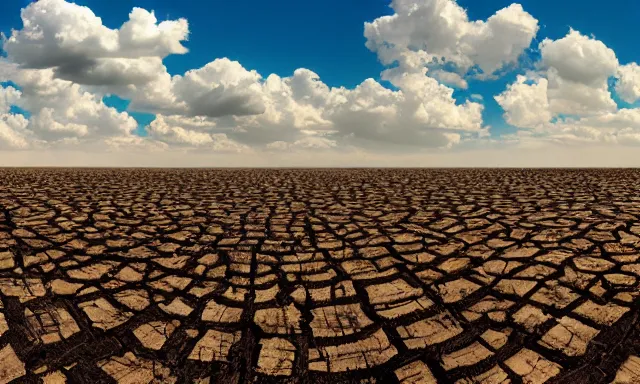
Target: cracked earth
324,276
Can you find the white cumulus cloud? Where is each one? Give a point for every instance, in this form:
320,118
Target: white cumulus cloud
221,87
578,68
72,40
628,85
526,105
427,31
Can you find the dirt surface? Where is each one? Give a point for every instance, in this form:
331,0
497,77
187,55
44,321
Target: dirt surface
319,276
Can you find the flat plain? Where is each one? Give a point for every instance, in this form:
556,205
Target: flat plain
325,276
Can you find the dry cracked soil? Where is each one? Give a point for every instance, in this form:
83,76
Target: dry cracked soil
324,276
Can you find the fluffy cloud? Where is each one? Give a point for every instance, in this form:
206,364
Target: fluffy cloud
621,127
579,58
578,68
293,105
526,104
572,98
8,97
72,40
422,113
427,31
62,109
60,113
628,85
568,99
170,132
301,111
13,132
67,59
222,87
113,73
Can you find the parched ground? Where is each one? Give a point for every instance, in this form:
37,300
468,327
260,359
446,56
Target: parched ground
319,276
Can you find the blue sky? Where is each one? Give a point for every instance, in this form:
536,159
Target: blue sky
270,37
327,37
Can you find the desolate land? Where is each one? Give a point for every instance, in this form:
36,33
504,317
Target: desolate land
326,276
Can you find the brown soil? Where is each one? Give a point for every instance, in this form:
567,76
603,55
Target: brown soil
319,276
